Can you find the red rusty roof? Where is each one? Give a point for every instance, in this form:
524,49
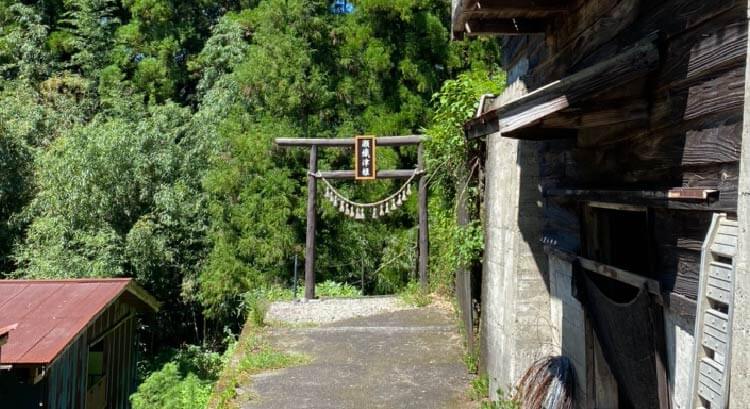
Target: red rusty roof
51,313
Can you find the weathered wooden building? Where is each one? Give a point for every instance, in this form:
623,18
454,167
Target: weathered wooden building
73,345
615,145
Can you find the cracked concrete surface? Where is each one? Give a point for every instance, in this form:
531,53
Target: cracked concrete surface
404,359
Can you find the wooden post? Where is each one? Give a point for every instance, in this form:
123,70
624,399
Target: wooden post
463,273
312,190
424,238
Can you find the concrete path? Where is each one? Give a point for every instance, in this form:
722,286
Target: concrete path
403,359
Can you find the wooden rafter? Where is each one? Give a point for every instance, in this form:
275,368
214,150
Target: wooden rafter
679,198
570,92
349,142
383,174
621,275
477,27
517,8
504,17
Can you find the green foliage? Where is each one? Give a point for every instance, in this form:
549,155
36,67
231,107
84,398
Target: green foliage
136,140
333,289
413,295
257,305
250,355
450,173
169,389
472,361
502,402
480,390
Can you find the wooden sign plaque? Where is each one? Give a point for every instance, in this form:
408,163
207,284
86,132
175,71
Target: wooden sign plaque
364,157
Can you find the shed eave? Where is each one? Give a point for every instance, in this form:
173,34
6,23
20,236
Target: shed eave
574,91
506,17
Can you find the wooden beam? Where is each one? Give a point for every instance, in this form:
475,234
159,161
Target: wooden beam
312,188
574,90
542,134
621,275
349,142
381,174
487,27
457,25
597,115
676,198
516,8
424,235
464,11
463,272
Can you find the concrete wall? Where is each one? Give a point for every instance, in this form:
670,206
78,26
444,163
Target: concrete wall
740,375
516,328
568,321
680,344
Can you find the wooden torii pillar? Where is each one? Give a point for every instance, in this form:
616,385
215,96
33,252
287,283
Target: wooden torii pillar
312,194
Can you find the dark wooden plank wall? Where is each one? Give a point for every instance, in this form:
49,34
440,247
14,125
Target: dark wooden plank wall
66,379
120,361
692,138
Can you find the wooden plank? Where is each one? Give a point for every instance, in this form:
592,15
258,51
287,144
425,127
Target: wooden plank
705,141
621,275
599,115
718,320
708,379
514,8
682,306
463,272
724,250
681,230
679,270
542,134
712,47
721,271
486,27
579,20
671,18
312,190
381,174
349,142
713,343
575,89
650,198
726,239
457,26
424,235
606,26
716,293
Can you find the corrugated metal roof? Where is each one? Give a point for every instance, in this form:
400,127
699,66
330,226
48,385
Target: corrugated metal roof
51,313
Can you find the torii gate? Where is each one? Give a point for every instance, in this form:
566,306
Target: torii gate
312,190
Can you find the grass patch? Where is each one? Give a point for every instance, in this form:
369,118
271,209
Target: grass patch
252,355
413,294
480,391
334,289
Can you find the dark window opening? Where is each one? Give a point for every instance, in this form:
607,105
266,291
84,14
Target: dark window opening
96,380
619,238
95,364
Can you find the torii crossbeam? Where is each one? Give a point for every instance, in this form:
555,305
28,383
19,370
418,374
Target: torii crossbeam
313,174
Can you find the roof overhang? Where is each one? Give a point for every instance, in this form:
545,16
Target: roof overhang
504,17
5,333
561,107
140,298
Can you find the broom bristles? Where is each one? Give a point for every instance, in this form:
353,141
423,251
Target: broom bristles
548,384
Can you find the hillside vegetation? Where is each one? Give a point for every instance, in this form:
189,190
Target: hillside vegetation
136,140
